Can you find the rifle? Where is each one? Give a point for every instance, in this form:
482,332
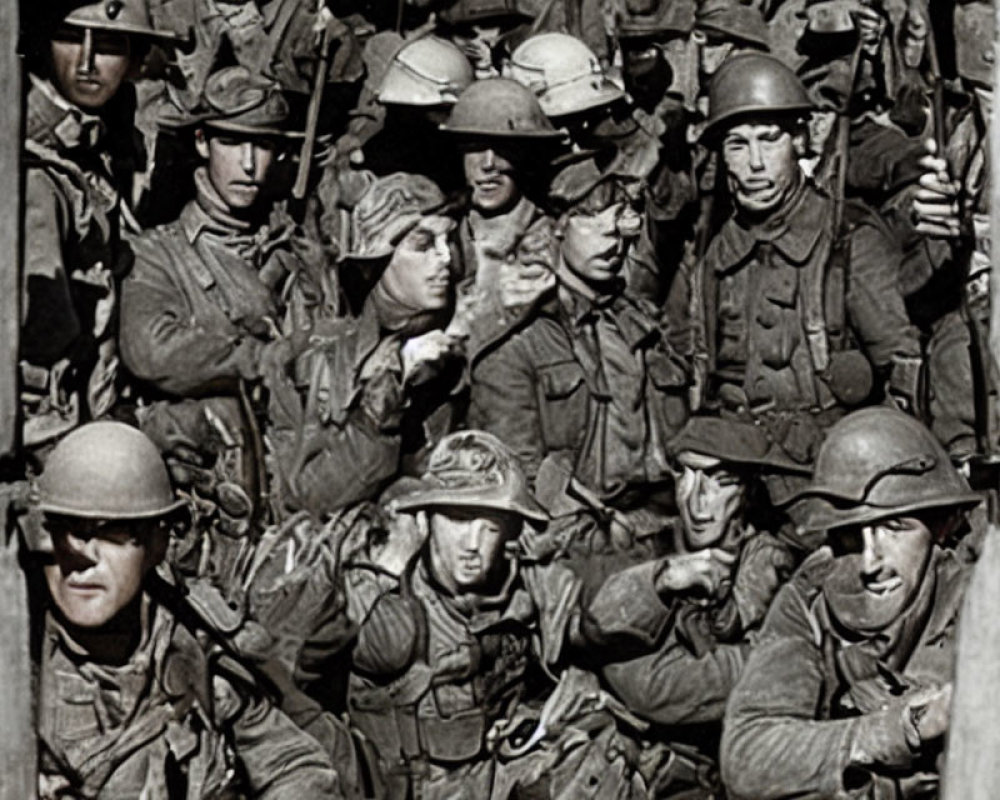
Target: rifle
312,115
18,751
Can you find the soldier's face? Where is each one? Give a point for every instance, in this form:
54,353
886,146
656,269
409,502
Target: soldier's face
762,167
709,497
894,557
594,243
491,176
98,568
89,66
419,269
466,546
237,166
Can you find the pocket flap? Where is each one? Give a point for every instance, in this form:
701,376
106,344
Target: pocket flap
560,380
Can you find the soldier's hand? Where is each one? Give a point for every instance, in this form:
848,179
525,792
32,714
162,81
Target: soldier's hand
423,355
523,283
929,710
935,204
914,38
871,27
702,572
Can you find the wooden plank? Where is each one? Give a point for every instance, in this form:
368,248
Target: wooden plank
11,102
18,751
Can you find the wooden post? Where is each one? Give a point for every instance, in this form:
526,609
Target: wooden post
18,751
994,150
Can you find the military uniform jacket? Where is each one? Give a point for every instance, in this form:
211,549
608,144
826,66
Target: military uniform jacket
818,712
73,261
542,391
346,424
689,676
434,671
178,720
781,304
195,312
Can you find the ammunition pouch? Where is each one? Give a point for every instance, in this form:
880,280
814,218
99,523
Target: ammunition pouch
50,403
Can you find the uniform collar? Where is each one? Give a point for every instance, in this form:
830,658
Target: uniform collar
54,121
634,324
793,231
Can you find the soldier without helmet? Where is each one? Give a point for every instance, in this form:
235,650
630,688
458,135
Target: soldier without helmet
848,691
131,699
376,390
586,388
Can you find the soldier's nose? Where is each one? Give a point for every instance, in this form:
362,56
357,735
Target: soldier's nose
871,555
86,65
82,550
248,158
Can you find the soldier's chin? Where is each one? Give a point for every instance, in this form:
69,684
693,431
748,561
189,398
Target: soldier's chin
759,201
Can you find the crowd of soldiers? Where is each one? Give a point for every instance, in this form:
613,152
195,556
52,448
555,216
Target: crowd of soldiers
499,398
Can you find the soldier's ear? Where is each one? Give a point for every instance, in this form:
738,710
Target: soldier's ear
423,525
800,141
201,143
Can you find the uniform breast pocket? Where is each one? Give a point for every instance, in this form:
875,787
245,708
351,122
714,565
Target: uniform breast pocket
562,404
778,318
670,381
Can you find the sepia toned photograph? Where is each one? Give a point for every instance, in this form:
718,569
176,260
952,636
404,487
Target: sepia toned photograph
499,400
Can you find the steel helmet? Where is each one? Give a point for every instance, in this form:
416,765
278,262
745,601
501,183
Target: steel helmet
474,469
123,16
106,470
564,74
879,462
499,107
753,82
429,71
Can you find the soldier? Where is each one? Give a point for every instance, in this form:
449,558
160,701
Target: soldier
847,692
78,116
483,30
131,699
777,308
726,567
506,143
586,388
375,391
474,624
951,207
212,295
723,28
423,80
